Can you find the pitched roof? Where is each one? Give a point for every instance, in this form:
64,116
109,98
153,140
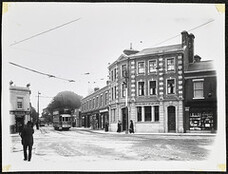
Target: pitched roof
202,65
162,49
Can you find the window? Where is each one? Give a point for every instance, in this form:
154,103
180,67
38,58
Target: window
19,102
115,92
139,113
156,113
90,104
123,90
97,102
112,75
170,86
147,113
152,66
124,70
152,87
170,64
115,75
141,68
106,98
93,102
101,100
112,93
198,89
140,88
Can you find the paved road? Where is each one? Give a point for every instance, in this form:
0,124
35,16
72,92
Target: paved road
87,145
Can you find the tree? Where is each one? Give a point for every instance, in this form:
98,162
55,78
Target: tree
33,114
65,100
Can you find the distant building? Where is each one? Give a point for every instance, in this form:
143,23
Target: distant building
94,109
19,107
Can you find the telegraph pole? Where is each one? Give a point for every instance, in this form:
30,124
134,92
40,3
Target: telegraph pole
37,119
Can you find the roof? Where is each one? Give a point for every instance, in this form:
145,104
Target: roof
156,50
202,65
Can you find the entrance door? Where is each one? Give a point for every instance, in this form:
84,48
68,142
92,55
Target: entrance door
171,119
124,118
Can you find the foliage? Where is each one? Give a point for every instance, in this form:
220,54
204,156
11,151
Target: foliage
33,113
65,99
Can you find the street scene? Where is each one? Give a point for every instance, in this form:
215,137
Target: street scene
113,87
86,145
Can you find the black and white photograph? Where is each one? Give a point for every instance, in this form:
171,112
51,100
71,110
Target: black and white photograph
113,87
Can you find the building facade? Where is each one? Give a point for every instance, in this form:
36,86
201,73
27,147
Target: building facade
200,97
19,107
154,87
94,109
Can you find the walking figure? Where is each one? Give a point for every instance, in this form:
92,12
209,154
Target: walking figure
131,130
119,126
27,140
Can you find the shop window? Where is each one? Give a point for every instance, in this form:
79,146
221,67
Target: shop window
156,113
152,66
201,121
141,88
19,103
152,87
170,64
139,113
141,67
147,113
198,89
170,86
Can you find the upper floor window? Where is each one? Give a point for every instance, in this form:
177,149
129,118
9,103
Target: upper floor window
152,66
97,102
141,88
171,86
141,67
101,102
93,102
123,90
152,87
115,92
198,88
124,70
19,102
112,75
106,98
115,74
170,64
112,94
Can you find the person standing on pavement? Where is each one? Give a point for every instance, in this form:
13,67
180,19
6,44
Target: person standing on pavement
131,130
119,126
27,140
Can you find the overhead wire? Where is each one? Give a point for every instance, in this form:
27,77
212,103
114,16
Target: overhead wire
15,43
187,30
35,71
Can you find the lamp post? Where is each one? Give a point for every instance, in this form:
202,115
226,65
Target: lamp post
37,120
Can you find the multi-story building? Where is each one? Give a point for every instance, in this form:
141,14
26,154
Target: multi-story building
200,96
19,106
94,109
149,87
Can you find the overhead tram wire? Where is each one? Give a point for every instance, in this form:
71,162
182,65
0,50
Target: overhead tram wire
15,43
187,30
35,71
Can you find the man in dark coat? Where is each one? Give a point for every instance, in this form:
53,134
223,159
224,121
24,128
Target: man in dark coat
27,140
131,130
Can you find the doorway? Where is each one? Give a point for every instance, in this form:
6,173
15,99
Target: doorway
124,119
171,119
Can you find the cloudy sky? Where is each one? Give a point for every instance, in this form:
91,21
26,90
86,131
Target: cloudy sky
96,39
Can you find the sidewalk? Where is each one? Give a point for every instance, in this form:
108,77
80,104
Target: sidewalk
144,133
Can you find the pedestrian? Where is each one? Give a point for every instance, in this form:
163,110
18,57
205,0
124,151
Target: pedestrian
27,140
119,126
20,128
131,130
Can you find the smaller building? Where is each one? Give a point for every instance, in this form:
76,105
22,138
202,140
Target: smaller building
94,109
200,97
19,107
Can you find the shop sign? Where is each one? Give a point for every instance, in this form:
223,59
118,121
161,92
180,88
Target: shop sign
147,104
103,110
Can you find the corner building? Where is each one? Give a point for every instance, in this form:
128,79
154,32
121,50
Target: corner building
154,79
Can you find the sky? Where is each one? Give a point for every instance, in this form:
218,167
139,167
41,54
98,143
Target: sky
97,38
